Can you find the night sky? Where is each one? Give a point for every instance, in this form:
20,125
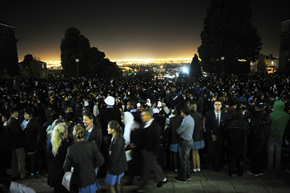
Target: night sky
130,28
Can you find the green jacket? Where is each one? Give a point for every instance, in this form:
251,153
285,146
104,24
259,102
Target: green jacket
279,120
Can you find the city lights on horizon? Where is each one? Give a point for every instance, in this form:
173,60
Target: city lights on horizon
135,61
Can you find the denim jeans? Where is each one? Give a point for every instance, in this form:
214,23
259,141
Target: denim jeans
274,145
185,147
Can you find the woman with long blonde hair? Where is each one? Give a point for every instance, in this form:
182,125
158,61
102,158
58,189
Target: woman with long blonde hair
57,151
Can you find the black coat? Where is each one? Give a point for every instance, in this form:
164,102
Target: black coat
236,134
16,133
150,137
211,124
55,163
84,156
96,136
117,162
31,134
174,123
198,130
258,133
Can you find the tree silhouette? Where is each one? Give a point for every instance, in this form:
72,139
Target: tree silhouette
30,66
74,46
228,32
91,60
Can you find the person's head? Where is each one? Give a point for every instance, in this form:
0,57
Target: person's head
259,106
15,112
69,109
131,105
128,118
192,108
28,113
217,105
110,101
59,132
185,111
69,114
115,129
88,118
177,110
86,109
238,113
4,118
56,122
79,132
146,115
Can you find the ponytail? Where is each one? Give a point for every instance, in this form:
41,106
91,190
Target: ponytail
79,132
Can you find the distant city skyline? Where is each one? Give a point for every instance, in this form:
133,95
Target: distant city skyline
128,29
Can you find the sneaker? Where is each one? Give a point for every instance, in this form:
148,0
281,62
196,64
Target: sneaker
160,184
261,174
198,169
194,170
176,170
176,179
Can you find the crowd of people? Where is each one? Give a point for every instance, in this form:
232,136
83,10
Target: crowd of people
135,127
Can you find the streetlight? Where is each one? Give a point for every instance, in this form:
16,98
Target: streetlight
223,58
77,61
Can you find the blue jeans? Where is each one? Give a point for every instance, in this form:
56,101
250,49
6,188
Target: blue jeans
185,147
274,145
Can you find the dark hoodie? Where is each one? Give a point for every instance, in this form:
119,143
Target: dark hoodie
279,120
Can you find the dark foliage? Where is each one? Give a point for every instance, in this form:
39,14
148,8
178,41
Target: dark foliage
91,60
228,32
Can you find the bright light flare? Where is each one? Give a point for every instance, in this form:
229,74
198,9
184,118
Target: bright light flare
185,70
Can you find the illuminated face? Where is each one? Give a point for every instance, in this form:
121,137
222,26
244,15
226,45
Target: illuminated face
217,106
26,116
87,120
129,106
110,131
15,114
145,117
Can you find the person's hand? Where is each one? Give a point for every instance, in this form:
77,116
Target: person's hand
213,137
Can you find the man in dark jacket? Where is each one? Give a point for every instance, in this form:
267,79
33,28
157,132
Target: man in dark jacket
236,132
259,131
29,142
214,125
108,114
18,153
150,144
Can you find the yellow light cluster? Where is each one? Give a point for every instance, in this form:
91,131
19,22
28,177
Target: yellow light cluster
152,61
